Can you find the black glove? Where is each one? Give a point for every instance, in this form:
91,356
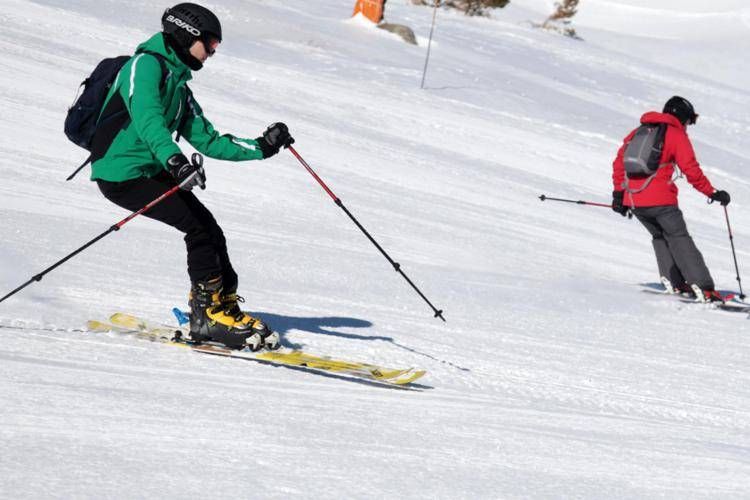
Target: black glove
274,138
722,197
187,174
617,205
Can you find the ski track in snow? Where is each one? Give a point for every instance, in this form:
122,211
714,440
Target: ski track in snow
553,377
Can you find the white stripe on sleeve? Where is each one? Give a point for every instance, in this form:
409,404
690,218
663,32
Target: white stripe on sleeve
245,145
132,75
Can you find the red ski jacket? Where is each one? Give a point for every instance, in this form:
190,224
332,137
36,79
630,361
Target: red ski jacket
661,190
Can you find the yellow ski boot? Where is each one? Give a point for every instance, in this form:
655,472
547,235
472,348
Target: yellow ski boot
230,303
209,320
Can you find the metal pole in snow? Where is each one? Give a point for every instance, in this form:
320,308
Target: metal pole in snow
429,44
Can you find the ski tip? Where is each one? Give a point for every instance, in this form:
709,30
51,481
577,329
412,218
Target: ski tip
93,325
407,378
182,318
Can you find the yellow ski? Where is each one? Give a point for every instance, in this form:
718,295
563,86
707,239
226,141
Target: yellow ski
133,325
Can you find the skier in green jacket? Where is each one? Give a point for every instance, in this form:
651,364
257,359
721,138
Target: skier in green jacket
135,159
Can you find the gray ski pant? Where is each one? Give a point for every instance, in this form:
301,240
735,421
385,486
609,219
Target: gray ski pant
678,258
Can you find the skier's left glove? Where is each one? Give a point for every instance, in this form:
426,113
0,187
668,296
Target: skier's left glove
617,205
274,138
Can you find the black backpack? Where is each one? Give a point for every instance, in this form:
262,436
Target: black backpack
642,155
84,115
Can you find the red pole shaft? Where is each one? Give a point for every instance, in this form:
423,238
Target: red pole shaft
147,207
312,172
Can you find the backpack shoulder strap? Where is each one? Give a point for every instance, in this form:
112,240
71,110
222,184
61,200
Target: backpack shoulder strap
662,137
186,114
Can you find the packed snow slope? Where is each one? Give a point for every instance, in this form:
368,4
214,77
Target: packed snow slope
553,377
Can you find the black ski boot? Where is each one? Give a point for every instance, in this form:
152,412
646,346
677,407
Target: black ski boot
210,321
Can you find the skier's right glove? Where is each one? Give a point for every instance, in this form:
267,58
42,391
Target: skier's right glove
722,197
187,174
274,138
617,205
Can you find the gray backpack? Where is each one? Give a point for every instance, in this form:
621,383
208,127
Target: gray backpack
643,152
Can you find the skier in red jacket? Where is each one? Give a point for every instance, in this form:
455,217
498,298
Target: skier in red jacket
653,200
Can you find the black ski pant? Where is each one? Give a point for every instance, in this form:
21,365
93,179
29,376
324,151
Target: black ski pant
207,255
676,254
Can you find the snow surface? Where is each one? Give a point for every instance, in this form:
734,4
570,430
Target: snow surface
554,377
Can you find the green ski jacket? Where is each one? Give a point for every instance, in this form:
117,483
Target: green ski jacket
140,144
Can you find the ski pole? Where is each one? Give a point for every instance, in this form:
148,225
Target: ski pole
113,228
579,202
396,265
734,254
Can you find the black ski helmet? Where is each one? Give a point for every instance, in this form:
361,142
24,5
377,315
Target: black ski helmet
188,22
680,108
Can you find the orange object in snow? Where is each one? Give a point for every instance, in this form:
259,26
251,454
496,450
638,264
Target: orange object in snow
371,9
